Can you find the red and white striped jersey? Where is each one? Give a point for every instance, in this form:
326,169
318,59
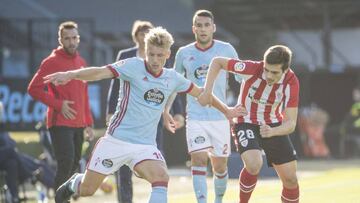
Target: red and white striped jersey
263,102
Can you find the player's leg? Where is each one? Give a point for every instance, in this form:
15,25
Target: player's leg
199,174
287,174
247,138
281,154
219,132
221,176
106,158
198,144
156,173
79,185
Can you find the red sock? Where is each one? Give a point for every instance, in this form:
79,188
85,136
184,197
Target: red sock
290,195
247,185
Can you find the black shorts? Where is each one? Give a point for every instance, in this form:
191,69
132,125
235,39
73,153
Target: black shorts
278,149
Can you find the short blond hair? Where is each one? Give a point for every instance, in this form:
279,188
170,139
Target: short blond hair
159,37
67,25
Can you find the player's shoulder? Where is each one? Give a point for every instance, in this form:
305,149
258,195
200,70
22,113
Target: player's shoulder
188,47
291,77
220,43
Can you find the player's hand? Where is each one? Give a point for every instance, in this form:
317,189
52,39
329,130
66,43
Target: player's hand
89,133
67,111
205,98
59,78
179,121
265,131
108,118
235,111
169,122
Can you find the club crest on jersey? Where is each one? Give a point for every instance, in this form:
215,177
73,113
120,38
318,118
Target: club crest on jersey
200,72
199,140
244,143
154,97
107,163
239,66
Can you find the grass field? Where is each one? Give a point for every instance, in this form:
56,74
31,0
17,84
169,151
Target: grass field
321,181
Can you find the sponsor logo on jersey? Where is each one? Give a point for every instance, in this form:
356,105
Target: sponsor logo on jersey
239,66
154,97
107,163
200,72
199,140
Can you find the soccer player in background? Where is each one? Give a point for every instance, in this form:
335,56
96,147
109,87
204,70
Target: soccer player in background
207,129
130,137
270,94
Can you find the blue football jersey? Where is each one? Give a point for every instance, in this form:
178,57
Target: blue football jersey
194,62
143,98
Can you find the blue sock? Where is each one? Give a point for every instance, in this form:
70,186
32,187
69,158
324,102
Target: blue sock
158,193
75,182
220,183
199,183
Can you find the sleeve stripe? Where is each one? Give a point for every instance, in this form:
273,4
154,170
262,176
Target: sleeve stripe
112,69
189,89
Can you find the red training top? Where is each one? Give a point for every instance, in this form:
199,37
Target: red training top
75,90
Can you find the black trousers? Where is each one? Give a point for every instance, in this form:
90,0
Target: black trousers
67,144
124,174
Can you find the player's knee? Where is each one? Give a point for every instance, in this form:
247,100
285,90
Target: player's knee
197,160
220,169
254,166
290,181
161,176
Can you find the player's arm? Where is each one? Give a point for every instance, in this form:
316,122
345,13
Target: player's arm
217,64
169,121
87,74
229,112
287,127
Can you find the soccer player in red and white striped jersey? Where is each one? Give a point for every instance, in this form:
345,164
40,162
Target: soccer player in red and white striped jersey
270,93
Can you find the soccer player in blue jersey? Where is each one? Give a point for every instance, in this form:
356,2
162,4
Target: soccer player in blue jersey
207,129
130,137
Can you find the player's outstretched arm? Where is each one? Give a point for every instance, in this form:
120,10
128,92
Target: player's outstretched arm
229,112
87,74
216,65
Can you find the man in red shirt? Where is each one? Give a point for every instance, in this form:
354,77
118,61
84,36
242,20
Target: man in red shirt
68,114
270,93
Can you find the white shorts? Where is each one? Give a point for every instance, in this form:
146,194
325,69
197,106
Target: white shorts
212,136
110,154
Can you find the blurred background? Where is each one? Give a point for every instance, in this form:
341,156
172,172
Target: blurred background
323,34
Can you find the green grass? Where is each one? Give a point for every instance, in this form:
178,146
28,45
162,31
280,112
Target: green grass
337,185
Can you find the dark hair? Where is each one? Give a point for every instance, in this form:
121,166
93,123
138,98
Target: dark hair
278,54
67,25
203,13
140,25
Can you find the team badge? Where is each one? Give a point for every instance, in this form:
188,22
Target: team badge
244,143
107,163
199,140
154,97
239,66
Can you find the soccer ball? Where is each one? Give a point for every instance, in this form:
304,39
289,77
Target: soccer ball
107,186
